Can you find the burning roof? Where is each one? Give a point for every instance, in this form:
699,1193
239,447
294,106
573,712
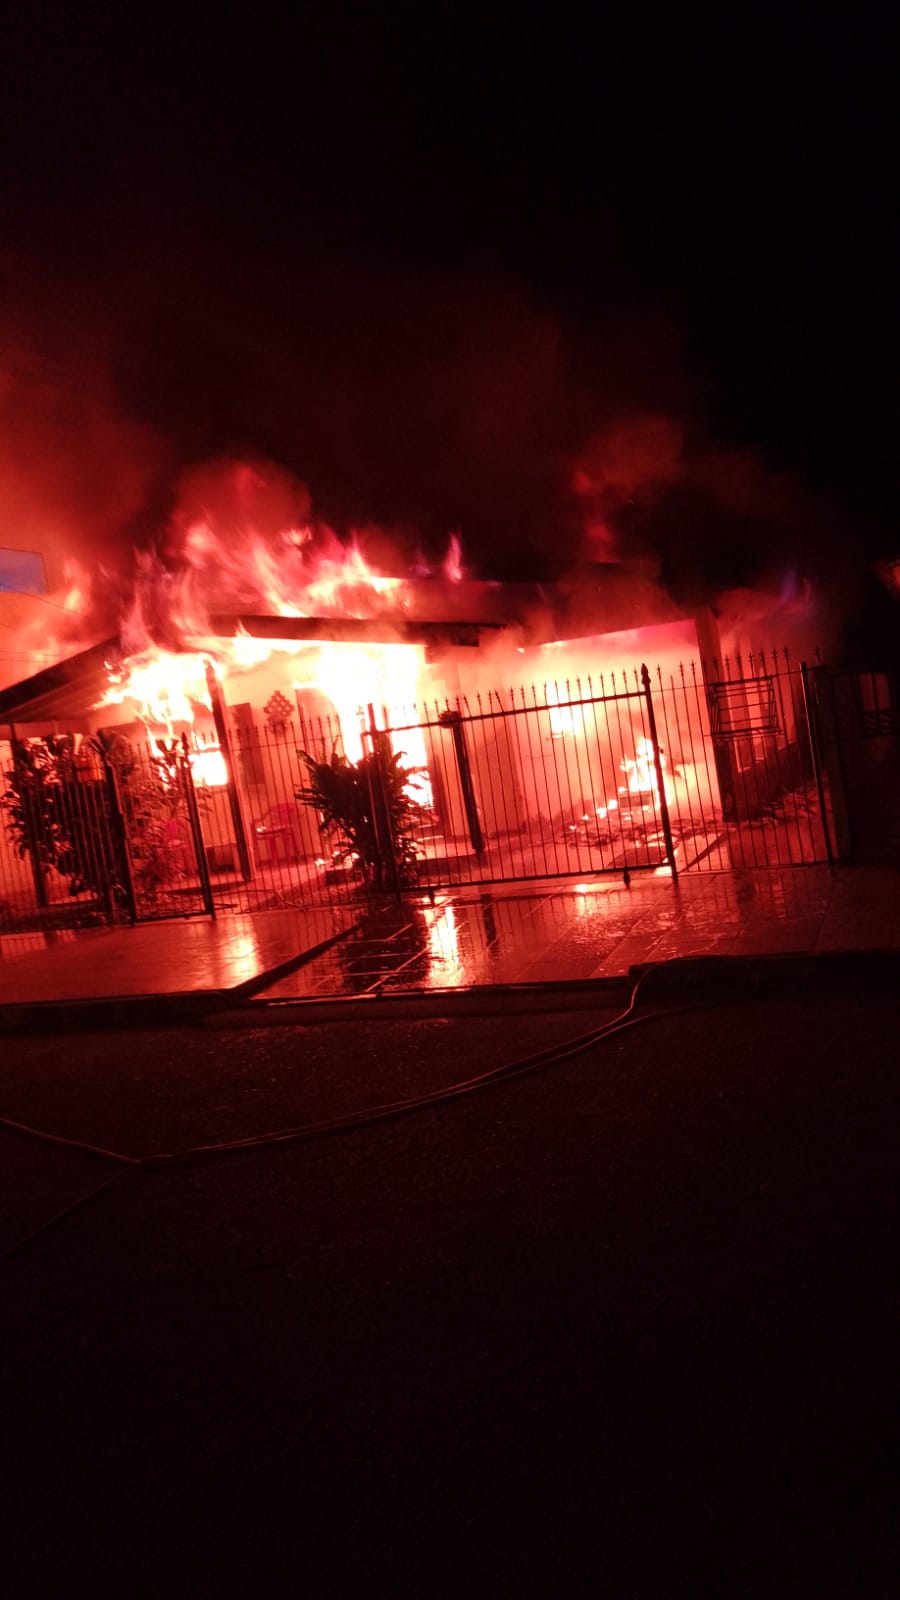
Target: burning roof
62,692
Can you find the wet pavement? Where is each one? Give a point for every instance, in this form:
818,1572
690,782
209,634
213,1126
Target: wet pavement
228,955
564,935
552,933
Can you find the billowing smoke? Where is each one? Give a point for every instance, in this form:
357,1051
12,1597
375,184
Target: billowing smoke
706,518
412,407
78,468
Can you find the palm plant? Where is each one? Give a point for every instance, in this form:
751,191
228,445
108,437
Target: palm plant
364,810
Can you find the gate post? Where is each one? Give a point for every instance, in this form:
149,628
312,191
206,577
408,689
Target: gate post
120,835
657,762
31,824
193,811
453,721
226,745
812,731
379,804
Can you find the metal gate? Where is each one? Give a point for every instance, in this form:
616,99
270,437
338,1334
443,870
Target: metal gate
708,768
856,713
527,784
156,814
100,830
744,734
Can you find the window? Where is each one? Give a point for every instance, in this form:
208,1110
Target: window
22,572
741,707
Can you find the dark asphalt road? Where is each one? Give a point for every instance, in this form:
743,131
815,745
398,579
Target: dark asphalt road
625,1326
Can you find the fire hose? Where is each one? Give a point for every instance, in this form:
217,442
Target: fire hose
629,1018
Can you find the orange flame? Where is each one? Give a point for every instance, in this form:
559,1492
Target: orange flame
640,770
453,566
167,687
299,575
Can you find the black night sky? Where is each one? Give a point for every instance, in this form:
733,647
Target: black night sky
516,274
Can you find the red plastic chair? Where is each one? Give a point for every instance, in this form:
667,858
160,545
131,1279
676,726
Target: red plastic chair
277,836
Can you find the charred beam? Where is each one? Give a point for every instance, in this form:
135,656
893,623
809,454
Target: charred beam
353,630
64,689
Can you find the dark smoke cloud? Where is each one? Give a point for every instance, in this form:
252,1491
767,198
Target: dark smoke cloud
79,471
707,518
421,406
412,407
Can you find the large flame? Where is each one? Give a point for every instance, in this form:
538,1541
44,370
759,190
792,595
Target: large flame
374,686
299,575
640,770
166,687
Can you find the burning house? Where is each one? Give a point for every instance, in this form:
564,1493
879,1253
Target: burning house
527,731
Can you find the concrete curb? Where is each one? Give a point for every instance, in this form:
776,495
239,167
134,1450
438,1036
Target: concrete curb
682,975
116,1011
231,1008
417,1005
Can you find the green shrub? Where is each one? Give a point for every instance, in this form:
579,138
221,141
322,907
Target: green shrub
364,811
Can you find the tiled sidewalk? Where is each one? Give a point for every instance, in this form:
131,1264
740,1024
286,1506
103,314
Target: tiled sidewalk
600,931
160,958
555,933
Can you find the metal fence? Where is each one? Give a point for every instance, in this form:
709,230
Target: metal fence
100,831
747,729
857,722
696,769
700,768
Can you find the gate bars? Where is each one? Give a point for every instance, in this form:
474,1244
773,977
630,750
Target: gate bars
528,784
697,768
709,769
100,830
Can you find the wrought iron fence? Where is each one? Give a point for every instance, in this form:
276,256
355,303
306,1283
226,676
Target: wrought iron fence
537,783
700,768
743,732
857,724
61,847
99,830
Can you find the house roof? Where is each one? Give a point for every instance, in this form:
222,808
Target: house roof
388,629
65,690
69,688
